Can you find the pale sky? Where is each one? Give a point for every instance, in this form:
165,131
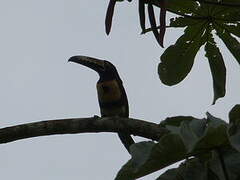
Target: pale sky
37,83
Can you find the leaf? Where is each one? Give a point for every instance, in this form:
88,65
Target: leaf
198,126
109,16
217,67
171,174
153,157
152,21
233,28
210,169
182,22
175,121
140,153
230,14
177,60
232,44
188,128
234,138
234,130
188,134
162,22
215,165
191,169
232,162
234,114
215,134
141,12
198,134
183,6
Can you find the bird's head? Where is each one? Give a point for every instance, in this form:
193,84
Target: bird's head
105,69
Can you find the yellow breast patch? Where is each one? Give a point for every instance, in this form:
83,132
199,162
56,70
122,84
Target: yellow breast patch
108,91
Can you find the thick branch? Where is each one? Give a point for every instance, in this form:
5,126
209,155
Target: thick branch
82,125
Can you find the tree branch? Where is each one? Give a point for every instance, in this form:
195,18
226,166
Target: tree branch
82,125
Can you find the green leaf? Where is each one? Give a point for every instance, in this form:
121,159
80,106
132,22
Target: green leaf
177,60
140,153
191,132
234,130
198,126
234,139
215,165
182,22
232,163
188,128
153,157
234,114
233,28
215,134
175,121
191,169
217,67
210,168
183,6
230,14
171,174
232,43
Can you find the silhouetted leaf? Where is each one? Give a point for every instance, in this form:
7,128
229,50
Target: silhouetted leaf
162,22
198,134
141,12
193,169
152,21
215,165
177,60
232,43
171,174
234,28
208,169
190,129
215,134
182,22
188,134
217,67
175,121
148,157
232,163
109,16
184,6
234,130
234,114
227,14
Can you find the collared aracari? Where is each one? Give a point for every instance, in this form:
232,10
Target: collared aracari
112,97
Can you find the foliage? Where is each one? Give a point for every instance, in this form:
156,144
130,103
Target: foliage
210,146
202,20
205,21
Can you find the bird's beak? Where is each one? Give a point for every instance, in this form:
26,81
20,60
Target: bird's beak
95,64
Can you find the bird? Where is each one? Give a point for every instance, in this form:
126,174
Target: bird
112,97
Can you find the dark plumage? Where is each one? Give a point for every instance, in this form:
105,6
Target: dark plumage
112,97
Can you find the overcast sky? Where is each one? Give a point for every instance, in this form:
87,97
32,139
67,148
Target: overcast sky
37,83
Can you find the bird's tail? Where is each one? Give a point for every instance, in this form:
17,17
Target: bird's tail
126,140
